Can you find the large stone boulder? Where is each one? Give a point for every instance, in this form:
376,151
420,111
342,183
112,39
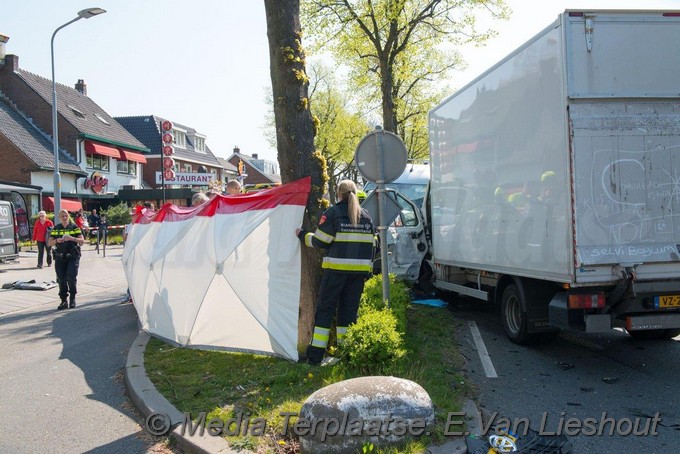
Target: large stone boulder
343,417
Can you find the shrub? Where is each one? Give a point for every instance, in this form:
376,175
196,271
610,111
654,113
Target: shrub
118,214
372,299
373,343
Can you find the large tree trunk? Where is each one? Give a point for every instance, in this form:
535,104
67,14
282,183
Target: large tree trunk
295,137
387,87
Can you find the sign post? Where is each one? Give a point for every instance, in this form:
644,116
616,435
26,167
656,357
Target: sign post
167,163
371,161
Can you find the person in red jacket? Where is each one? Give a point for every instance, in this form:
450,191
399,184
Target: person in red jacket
41,231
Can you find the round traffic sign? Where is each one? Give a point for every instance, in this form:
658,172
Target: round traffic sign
394,156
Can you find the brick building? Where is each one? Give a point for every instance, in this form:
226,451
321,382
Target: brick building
193,159
256,170
97,155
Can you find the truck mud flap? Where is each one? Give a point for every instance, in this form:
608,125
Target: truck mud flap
537,297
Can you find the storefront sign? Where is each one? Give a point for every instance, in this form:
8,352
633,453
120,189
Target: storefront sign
97,182
191,179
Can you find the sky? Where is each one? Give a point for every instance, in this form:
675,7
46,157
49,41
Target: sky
205,63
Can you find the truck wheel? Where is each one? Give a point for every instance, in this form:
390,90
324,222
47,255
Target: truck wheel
514,317
655,334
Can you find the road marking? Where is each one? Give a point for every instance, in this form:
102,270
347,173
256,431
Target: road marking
481,350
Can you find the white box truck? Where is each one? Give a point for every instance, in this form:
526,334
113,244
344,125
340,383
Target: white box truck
555,179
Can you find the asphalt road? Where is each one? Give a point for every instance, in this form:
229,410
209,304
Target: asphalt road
61,372
578,376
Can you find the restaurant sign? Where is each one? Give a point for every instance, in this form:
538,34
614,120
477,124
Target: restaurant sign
97,182
191,179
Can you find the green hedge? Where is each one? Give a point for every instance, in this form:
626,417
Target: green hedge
399,302
375,342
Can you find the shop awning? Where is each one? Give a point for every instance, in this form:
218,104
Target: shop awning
71,205
104,150
132,156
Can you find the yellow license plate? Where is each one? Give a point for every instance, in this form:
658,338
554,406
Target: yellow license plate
661,302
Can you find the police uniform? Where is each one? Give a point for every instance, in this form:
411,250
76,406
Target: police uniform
348,261
66,262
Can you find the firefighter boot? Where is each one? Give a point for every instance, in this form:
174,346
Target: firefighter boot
314,355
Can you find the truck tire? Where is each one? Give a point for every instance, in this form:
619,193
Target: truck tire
514,316
655,334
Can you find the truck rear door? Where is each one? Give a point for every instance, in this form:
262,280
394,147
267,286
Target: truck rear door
624,112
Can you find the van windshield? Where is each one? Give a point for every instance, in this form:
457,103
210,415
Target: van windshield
413,191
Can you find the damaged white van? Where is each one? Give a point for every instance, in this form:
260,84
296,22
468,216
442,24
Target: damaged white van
407,244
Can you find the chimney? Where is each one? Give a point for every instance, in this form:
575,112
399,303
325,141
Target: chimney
10,63
254,155
81,87
237,149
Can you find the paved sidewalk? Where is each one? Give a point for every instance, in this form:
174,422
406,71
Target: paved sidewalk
96,274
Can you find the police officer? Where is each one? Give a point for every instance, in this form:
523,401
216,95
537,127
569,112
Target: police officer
66,237
346,231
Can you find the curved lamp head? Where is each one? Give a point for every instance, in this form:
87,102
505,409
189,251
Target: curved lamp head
90,12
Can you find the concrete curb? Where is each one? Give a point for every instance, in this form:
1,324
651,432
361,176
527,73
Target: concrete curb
152,405
156,409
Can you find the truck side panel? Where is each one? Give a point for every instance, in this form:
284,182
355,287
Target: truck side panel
500,180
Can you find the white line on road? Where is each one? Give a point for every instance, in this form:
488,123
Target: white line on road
481,349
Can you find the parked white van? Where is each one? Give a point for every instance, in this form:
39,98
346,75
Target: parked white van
9,232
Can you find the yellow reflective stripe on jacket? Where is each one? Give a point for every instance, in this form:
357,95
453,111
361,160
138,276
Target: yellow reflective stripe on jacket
335,263
354,237
323,236
58,233
308,239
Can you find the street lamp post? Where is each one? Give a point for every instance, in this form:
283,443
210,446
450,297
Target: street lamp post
84,14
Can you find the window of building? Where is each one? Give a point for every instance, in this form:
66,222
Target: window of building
179,138
200,144
127,168
187,168
102,119
270,167
97,162
75,111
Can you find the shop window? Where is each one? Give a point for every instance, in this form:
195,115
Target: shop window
97,162
127,168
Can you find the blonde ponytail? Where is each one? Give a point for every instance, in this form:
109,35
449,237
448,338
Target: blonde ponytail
347,190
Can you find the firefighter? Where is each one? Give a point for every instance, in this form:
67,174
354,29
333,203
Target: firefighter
346,231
